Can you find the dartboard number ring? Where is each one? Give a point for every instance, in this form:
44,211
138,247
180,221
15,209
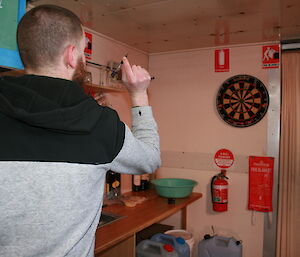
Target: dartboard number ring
242,101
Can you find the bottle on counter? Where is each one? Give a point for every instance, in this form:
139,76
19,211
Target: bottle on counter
113,184
145,181
136,183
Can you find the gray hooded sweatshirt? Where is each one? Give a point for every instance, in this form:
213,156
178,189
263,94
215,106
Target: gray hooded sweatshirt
57,144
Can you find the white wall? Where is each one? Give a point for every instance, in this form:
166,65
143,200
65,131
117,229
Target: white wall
183,97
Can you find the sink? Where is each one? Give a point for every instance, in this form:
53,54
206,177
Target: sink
107,218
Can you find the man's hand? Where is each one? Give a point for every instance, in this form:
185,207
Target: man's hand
136,80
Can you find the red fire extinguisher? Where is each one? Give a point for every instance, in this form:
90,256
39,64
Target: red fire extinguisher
219,192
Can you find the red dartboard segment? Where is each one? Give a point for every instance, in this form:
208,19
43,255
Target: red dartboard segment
242,101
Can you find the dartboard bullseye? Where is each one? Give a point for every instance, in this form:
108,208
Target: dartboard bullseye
242,101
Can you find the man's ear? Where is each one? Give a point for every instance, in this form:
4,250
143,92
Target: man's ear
70,56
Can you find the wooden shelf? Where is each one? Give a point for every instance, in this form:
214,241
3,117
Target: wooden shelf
17,73
104,88
14,73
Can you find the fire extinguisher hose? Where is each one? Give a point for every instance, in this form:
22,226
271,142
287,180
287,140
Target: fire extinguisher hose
211,186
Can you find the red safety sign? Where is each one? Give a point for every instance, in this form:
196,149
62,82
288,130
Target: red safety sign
224,158
270,56
260,183
88,45
222,60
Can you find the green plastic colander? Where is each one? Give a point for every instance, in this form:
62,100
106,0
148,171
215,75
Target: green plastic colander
174,187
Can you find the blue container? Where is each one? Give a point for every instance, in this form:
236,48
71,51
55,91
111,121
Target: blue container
178,243
149,248
219,246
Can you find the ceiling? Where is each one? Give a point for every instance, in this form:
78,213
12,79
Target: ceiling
167,25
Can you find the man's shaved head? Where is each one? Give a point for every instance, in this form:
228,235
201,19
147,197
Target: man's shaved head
43,34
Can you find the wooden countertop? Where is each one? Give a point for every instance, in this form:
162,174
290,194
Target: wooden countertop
153,210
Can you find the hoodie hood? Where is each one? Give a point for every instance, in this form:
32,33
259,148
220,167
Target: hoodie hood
49,103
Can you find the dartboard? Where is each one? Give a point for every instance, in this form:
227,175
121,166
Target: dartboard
242,101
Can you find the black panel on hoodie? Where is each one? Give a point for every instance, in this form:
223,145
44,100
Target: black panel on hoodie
52,119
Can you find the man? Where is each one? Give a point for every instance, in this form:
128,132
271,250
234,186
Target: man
57,143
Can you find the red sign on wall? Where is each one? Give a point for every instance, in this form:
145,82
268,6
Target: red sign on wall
222,60
270,56
88,45
224,158
260,183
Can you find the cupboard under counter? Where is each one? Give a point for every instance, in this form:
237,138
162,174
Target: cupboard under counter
119,236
